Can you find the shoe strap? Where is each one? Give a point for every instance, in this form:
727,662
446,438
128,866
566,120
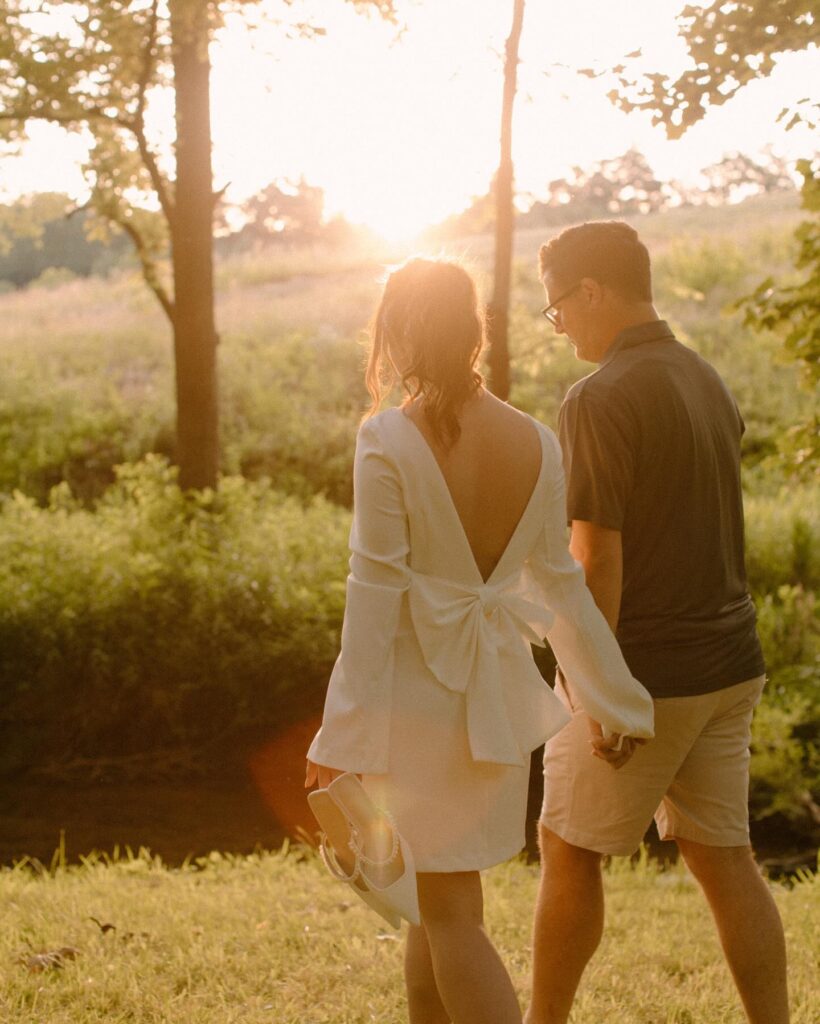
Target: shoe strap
328,855
355,845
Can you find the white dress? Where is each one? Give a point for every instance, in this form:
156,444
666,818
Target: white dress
435,698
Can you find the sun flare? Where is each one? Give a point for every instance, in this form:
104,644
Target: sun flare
400,129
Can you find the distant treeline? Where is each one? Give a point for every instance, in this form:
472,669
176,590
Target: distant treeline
42,233
46,232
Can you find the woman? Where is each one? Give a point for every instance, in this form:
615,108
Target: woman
459,562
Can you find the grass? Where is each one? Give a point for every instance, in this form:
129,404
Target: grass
271,938
88,367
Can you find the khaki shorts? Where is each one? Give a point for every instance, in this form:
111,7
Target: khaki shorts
693,777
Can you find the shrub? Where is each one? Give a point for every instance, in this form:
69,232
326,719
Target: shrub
164,617
785,773
783,539
785,767
694,270
290,409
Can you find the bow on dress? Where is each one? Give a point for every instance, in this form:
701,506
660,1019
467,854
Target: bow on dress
475,639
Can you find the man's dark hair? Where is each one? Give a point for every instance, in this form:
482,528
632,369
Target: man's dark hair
608,251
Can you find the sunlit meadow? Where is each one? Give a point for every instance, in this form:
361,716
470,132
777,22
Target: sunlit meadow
272,938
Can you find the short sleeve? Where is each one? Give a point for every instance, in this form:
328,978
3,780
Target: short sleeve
356,723
599,449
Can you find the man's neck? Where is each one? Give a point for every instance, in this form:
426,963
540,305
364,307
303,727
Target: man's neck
628,316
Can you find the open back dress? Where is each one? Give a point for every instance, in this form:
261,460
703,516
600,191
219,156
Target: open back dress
435,698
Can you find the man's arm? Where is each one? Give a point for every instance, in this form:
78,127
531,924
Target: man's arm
600,553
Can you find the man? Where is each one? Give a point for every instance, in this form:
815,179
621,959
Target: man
651,442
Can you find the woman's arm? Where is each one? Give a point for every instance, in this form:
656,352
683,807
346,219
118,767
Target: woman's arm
355,728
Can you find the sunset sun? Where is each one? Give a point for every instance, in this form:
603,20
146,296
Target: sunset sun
400,128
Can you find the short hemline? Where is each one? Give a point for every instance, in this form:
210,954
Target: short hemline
705,838
586,841
451,866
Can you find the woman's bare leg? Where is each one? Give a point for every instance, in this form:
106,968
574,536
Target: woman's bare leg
471,979
424,1003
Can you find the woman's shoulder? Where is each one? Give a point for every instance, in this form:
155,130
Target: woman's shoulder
381,434
549,441
378,426
549,438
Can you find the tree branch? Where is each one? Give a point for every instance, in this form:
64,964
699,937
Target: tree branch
147,62
138,124
149,268
98,114
88,114
151,165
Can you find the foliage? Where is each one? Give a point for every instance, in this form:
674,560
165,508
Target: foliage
783,564
41,232
94,67
785,767
88,378
783,539
730,45
98,67
271,937
163,616
793,311
87,384
738,175
291,211
27,217
291,412
625,184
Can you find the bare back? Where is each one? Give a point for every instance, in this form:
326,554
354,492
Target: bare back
490,472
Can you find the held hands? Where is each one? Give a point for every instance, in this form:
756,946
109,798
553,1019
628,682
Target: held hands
616,749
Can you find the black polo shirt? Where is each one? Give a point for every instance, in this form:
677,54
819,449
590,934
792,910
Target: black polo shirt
651,445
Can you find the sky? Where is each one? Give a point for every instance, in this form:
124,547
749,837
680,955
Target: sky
401,129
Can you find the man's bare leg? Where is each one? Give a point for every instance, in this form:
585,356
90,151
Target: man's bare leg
748,924
569,921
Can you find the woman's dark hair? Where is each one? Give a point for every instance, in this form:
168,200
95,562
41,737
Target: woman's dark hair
608,251
428,333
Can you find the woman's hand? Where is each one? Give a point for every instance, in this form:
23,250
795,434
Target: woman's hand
321,775
615,749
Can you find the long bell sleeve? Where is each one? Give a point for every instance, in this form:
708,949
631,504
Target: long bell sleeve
355,730
584,646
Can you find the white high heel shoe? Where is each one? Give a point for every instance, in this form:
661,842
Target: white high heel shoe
362,847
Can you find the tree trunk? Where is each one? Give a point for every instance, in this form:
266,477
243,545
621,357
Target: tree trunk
499,307
192,250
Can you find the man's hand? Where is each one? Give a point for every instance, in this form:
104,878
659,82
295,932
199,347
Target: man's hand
616,750
321,775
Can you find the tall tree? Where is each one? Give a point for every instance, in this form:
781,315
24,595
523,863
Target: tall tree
192,249
499,307
93,67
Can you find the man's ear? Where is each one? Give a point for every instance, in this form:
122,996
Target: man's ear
592,291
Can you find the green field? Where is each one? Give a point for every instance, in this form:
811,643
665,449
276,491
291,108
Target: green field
272,938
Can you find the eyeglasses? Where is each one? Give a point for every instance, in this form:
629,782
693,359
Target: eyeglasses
551,313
